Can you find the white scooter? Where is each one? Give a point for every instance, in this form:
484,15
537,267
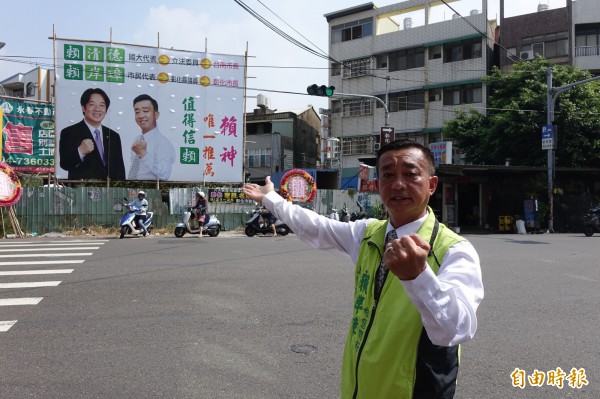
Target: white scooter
129,226
211,227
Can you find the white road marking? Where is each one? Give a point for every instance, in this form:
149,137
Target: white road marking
39,245
42,262
46,249
35,246
20,301
48,243
29,272
6,325
33,284
47,255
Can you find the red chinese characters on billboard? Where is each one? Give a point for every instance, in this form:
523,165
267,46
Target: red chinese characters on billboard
19,139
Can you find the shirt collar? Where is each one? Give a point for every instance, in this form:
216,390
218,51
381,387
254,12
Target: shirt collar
150,134
92,128
409,228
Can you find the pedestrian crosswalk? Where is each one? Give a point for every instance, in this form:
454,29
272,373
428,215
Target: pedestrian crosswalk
28,264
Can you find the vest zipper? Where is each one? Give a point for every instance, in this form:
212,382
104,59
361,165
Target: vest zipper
362,345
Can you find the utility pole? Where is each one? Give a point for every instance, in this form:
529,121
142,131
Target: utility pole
552,94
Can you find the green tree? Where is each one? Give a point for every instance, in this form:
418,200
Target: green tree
517,111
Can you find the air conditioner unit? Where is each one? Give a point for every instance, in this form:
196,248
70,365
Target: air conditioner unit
527,55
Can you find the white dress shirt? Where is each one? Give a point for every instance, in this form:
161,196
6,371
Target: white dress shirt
447,301
159,158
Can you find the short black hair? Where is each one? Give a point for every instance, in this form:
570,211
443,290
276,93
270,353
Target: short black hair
85,97
145,97
401,144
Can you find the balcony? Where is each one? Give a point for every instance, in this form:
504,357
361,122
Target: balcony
587,51
588,58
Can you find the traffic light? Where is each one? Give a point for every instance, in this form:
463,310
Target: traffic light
323,91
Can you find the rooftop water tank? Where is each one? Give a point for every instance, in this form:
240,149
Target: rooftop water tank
543,7
407,23
455,16
474,12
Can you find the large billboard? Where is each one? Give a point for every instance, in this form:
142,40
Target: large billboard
196,135
27,143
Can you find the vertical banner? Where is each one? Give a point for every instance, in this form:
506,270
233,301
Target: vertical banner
196,135
442,152
27,143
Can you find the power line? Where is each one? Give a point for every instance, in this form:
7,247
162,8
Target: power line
281,33
324,53
509,55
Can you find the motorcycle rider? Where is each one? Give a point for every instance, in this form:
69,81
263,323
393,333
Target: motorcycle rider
268,219
200,210
140,214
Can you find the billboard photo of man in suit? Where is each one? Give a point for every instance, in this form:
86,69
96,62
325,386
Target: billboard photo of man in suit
87,149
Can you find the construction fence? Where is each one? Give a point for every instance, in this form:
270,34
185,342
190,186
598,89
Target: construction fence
47,209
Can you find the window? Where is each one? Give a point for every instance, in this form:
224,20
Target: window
406,100
407,59
30,89
357,145
511,53
435,95
465,94
352,30
336,107
587,40
336,69
356,68
435,52
381,61
463,50
258,157
548,46
357,107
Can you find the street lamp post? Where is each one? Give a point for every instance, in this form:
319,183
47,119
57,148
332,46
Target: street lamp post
552,94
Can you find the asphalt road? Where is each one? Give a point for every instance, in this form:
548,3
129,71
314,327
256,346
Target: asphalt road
263,317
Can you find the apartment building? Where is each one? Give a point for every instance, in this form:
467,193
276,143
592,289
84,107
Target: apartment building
34,85
279,140
569,35
422,68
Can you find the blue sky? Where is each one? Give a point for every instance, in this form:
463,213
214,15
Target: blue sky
217,26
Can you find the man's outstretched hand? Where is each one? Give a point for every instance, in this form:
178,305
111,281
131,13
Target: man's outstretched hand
256,192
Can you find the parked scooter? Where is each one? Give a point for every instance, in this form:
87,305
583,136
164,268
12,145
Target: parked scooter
334,214
358,215
128,226
211,227
591,222
345,216
259,225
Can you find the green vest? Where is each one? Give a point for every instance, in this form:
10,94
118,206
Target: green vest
387,347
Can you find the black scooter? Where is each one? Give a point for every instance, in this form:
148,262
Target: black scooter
257,224
591,222
358,215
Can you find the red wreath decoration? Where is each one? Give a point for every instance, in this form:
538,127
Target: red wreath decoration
10,186
298,185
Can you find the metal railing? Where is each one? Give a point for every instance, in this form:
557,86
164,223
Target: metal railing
587,51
